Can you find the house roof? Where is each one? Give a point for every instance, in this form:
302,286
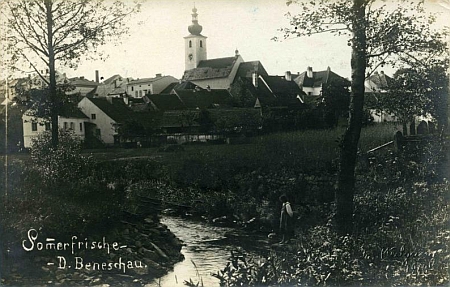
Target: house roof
203,99
146,80
71,111
246,69
214,68
279,85
111,79
186,85
262,92
377,82
166,102
169,88
115,108
81,81
179,119
319,78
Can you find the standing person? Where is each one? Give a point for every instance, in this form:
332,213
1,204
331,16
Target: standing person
286,219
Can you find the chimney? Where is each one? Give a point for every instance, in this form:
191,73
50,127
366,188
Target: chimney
158,75
208,88
126,100
309,72
109,99
236,52
255,79
288,76
97,78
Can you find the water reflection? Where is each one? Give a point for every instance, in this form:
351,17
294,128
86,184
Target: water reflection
203,250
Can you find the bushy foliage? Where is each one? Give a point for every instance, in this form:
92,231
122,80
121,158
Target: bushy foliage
401,234
58,190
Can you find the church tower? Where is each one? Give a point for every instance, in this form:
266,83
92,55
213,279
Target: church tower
195,44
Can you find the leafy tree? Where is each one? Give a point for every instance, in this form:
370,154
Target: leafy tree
131,129
44,32
417,92
335,101
378,35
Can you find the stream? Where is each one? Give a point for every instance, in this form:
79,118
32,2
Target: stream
206,250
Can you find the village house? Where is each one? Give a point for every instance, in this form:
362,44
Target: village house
104,117
70,119
81,86
375,85
141,87
312,82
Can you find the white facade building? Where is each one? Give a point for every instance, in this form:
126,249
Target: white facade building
34,126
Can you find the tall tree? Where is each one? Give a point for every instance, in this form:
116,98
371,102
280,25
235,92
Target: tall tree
44,32
378,34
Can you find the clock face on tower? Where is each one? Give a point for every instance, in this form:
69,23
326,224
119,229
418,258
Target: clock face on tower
190,57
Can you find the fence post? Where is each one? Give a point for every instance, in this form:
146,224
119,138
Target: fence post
399,141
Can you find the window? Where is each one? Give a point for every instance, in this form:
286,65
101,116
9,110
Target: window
132,88
140,94
81,127
190,44
309,93
136,94
72,126
34,127
97,132
65,126
47,126
201,44
93,116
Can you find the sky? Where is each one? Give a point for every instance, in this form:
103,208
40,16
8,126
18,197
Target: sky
156,44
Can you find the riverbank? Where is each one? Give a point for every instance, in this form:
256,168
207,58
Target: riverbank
132,253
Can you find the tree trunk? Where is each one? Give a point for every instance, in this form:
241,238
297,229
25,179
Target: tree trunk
349,145
54,101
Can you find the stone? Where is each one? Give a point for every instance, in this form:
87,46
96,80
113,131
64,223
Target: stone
159,251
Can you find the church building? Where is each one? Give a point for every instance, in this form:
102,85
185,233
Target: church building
208,74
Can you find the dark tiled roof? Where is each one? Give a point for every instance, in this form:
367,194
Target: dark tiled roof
319,78
71,111
164,102
280,86
116,109
246,69
203,99
179,119
169,88
208,69
185,86
218,63
262,92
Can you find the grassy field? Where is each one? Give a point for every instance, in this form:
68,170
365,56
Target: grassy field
313,144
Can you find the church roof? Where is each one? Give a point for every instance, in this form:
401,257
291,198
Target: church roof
208,69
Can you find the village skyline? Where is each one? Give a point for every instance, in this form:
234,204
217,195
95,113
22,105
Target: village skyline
155,44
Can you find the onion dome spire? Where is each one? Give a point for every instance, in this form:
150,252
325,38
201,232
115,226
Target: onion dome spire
195,28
